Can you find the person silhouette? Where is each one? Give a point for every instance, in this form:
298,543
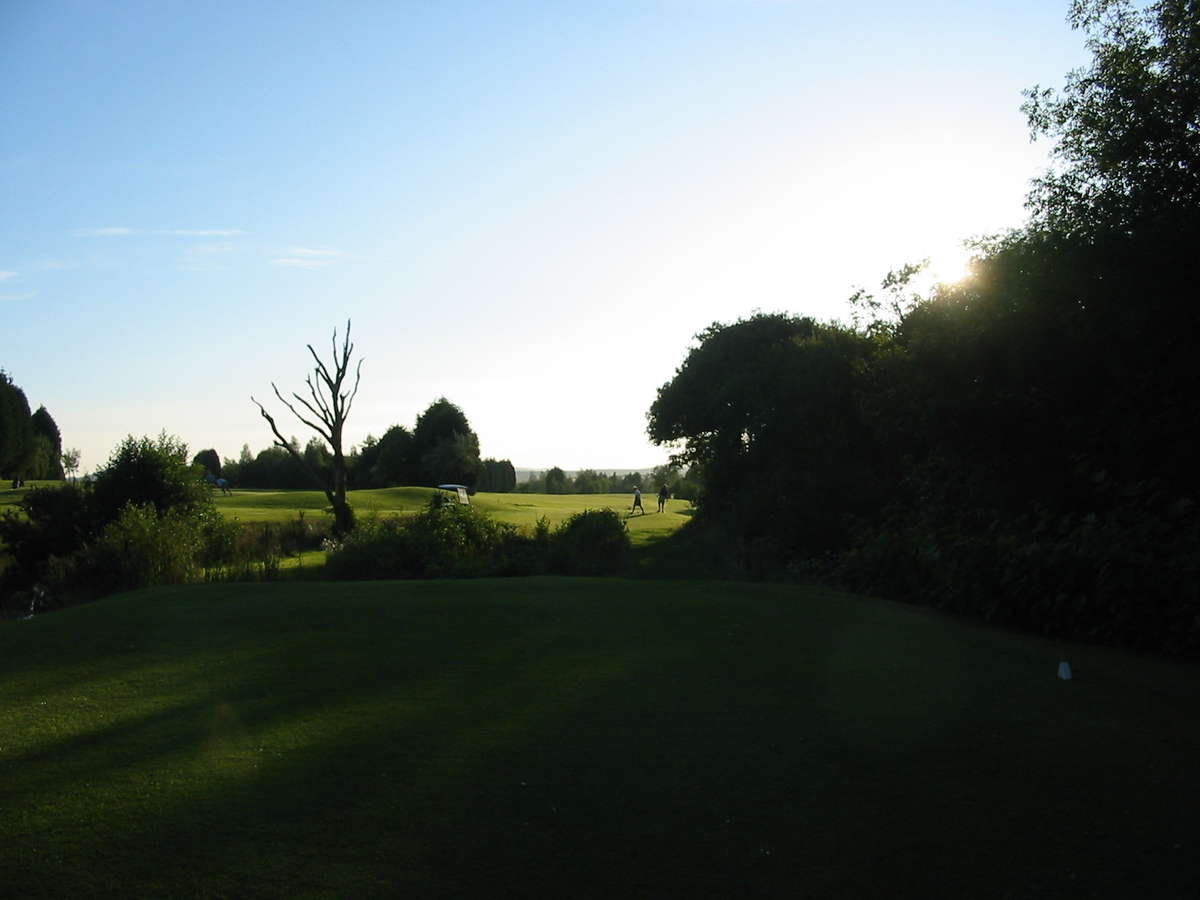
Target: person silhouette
663,496
637,501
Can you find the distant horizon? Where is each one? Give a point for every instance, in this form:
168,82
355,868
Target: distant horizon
571,473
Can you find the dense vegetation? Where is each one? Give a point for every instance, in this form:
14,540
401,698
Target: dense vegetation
30,444
145,518
1017,445
148,517
447,540
441,449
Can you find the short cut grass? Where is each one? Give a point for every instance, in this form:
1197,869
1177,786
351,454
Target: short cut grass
556,737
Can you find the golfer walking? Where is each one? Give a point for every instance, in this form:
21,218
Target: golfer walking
637,501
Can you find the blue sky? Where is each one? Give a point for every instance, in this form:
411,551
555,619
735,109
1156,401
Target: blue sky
529,208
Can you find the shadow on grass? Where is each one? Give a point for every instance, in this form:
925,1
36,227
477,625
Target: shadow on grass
594,738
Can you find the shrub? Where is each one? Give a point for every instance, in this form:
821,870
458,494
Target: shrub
148,520
150,470
142,548
592,542
442,541
450,540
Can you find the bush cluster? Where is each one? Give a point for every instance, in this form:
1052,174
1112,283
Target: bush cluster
148,518
453,541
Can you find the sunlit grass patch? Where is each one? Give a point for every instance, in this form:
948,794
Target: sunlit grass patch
522,510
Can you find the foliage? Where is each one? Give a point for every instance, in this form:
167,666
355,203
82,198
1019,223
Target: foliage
46,462
149,470
454,460
680,483
446,540
556,481
209,460
389,461
591,542
70,461
586,481
30,444
1016,446
271,468
449,540
142,547
444,446
16,429
147,518
768,409
497,476
54,523
1126,127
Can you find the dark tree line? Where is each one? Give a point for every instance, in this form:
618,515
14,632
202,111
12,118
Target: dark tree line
1016,446
442,448
30,444
591,481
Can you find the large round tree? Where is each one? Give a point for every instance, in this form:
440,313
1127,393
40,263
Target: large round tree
445,447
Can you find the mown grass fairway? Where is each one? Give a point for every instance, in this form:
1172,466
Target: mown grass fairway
10,496
522,510
580,738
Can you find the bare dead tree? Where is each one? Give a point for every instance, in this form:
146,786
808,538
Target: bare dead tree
326,411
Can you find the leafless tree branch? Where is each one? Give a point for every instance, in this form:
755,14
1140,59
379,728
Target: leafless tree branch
281,441
325,413
313,425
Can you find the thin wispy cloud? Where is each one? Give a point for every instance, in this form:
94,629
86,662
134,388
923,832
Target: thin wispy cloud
122,231
54,265
5,275
308,258
13,298
300,262
200,232
106,231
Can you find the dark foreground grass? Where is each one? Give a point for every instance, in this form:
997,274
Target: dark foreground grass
581,738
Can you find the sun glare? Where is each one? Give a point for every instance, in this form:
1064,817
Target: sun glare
950,266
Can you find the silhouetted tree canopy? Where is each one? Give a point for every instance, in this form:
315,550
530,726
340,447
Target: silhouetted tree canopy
444,445
16,429
395,458
556,481
1126,132
209,460
497,475
1016,446
46,456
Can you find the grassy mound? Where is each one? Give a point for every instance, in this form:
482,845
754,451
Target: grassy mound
575,737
